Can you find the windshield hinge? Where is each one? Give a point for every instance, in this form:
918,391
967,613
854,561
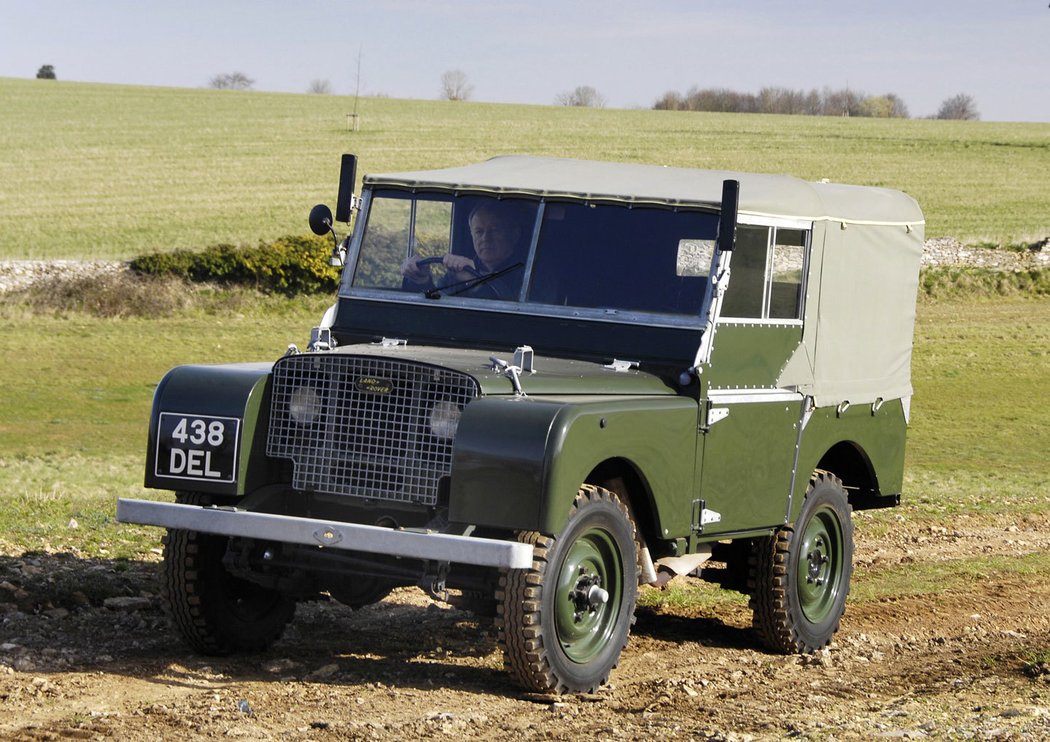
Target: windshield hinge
621,366
321,339
392,342
511,372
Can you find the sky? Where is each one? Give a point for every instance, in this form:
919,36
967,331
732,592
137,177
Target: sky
530,51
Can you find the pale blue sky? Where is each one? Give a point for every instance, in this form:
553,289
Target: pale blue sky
528,51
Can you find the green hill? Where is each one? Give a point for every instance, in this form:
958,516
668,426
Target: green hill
107,171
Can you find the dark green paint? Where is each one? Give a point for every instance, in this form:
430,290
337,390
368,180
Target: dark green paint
235,390
584,630
749,356
878,437
820,564
519,462
747,458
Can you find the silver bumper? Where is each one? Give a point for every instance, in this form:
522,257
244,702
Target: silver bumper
330,534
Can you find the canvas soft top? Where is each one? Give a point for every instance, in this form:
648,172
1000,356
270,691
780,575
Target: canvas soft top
760,194
867,245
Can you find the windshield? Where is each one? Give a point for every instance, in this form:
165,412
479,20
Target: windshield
548,254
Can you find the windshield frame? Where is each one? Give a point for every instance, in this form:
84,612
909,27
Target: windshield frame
520,305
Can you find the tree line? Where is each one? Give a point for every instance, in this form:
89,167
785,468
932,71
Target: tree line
826,102
455,86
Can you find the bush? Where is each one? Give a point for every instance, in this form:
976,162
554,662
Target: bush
288,265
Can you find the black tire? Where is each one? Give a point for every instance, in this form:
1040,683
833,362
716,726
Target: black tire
357,591
215,612
556,632
800,576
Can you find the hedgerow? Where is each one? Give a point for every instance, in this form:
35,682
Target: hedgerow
960,281
288,265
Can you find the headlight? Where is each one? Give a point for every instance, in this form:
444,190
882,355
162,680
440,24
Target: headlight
304,405
444,419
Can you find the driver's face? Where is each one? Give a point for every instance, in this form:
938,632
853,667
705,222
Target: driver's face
494,239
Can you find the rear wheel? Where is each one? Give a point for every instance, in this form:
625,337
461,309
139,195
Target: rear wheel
357,590
800,576
564,622
215,611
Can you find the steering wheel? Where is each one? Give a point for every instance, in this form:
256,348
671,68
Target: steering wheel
472,271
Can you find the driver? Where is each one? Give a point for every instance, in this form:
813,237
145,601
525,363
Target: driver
499,244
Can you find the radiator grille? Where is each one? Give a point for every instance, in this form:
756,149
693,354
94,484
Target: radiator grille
361,425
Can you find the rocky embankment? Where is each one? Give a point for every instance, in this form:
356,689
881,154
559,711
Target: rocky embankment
19,274
947,251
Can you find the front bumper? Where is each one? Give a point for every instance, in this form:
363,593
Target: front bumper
441,547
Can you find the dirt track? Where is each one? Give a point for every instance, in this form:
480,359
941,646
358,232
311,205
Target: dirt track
957,665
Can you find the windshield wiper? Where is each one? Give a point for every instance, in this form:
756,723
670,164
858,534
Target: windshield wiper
468,284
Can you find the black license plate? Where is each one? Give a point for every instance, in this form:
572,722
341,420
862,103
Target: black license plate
198,447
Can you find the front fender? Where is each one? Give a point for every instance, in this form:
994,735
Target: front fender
518,462
220,448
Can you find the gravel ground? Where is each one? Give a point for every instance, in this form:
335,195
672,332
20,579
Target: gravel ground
952,665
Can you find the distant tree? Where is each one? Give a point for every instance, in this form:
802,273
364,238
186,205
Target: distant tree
843,102
670,101
231,81
781,100
961,107
887,106
583,96
898,108
455,86
47,72
320,87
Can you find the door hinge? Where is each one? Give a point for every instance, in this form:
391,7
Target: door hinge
703,517
713,415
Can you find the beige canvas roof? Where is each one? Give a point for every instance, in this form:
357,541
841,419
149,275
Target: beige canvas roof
762,195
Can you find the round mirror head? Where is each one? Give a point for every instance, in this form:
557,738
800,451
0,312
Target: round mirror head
320,219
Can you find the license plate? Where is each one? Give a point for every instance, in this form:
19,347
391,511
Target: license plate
197,447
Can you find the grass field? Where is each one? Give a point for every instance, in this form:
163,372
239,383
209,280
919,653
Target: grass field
101,171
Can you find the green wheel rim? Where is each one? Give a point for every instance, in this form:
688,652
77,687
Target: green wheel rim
820,565
585,624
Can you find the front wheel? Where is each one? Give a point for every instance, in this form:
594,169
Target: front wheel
564,622
216,612
800,576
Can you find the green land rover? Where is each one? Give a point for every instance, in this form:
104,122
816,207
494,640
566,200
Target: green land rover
544,383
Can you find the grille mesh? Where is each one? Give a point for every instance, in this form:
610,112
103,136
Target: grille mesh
364,424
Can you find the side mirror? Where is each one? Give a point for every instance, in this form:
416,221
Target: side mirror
320,220
321,224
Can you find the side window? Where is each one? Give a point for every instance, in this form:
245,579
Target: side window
748,273
787,268
768,274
